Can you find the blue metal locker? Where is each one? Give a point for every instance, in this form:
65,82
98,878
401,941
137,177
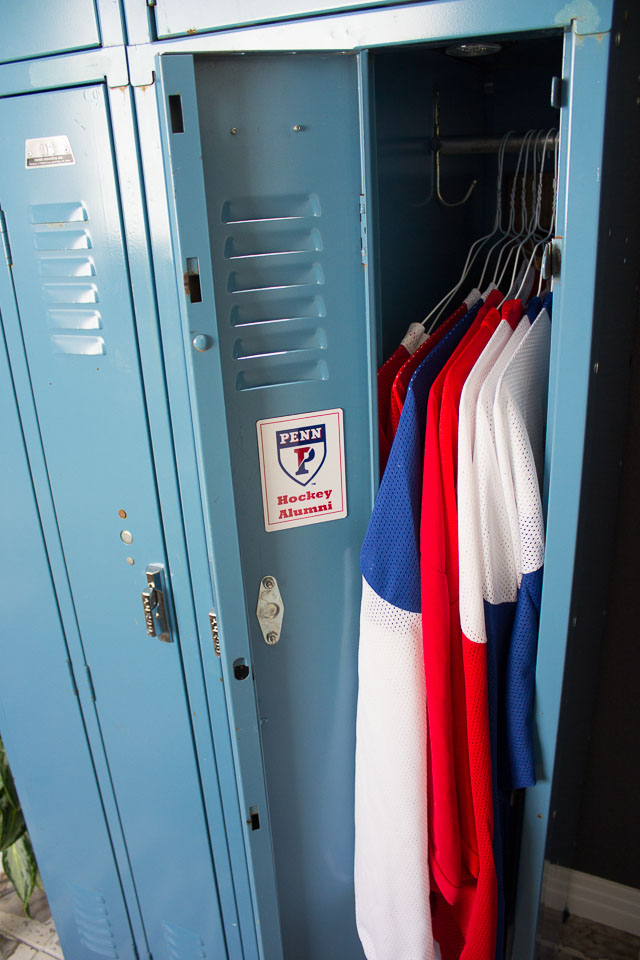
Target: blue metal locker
76,321
264,337
32,29
42,725
233,229
173,18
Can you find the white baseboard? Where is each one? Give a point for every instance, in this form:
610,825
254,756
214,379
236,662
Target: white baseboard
592,898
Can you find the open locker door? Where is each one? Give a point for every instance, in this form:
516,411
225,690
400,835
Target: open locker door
76,325
264,176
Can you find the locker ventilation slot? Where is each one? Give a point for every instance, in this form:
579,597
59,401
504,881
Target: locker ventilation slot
183,944
78,344
93,923
275,309
67,267
64,275
272,267
57,212
279,344
258,281
74,319
275,376
257,209
61,240
272,243
65,293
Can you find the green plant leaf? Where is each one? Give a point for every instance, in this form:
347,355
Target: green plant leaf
20,866
6,780
12,824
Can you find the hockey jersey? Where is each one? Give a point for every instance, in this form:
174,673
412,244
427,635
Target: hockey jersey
461,855
391,869
406,371
519,414
471,598
414,336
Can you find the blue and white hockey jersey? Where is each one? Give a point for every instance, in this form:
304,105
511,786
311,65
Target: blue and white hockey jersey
519,415
391,832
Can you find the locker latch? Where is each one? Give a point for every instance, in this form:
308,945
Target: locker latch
270,610
153,603
551,259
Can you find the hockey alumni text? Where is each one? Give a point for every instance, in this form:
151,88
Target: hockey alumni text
325,507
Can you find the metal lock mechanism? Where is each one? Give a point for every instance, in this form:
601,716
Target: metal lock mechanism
270,610
153,603
551,259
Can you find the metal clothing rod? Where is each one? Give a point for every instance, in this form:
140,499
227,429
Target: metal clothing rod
462,145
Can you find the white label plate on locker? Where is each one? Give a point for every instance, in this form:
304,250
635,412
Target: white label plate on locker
47,152
302,469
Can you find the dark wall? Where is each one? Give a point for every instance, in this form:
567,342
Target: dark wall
596,783
608,842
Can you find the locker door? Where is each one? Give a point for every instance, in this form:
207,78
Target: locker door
175,17
276,326
31,29
42,726
59,194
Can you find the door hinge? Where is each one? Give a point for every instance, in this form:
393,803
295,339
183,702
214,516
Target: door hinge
215,636
92,689
72,677
364,246
5,239
552,259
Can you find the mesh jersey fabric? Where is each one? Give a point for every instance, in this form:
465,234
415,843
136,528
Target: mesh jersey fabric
499,580
470,581
391,872
533,410
496,569
519,417
391,866
445,834
389,559
461,838
402,378
406,371
471,602
414,336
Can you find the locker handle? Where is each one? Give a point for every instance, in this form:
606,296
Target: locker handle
153,603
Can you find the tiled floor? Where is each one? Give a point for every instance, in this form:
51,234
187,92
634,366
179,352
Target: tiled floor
578,939
21,937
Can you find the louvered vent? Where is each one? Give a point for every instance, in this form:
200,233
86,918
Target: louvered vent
273,285
67,271
93,923
183,944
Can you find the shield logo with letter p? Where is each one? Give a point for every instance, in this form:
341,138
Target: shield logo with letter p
301,452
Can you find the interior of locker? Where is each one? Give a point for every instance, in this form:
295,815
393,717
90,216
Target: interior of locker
270,233
422,244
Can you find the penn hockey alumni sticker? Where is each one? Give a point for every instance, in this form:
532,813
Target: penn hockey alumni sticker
302,469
